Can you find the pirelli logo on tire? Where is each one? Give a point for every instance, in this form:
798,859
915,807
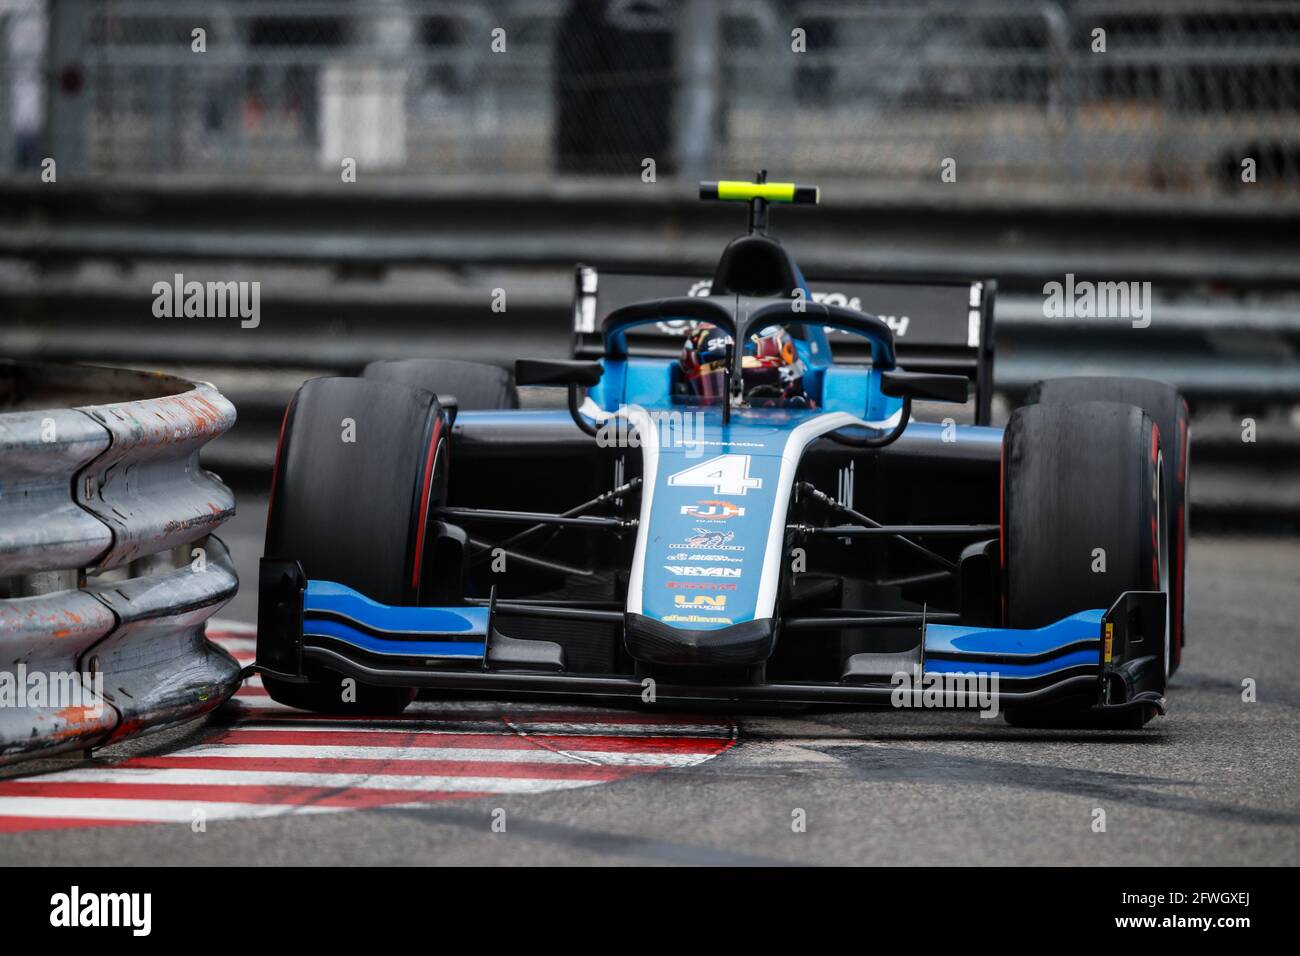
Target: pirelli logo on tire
1108,638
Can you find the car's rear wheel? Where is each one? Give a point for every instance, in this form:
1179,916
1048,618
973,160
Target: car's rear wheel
1082,522
1168,410
361,464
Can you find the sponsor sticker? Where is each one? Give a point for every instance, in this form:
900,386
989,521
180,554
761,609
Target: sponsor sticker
718,601
710,540
713,510
687,571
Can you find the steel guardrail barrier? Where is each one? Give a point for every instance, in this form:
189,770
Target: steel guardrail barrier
108,566
1242,243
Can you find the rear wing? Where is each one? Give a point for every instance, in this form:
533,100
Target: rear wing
938,326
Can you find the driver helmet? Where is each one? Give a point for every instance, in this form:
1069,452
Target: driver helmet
771,369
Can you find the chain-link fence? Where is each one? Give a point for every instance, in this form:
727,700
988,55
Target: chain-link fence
1188,96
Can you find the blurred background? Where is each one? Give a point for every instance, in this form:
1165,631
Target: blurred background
497,143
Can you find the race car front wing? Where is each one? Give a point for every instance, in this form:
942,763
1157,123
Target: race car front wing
1115,657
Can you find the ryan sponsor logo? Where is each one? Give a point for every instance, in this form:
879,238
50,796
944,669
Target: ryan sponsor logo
687,571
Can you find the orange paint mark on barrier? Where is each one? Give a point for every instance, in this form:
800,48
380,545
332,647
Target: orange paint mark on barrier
78,721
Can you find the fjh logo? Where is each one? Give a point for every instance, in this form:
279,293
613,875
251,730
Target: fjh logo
713,510
75,908
208,300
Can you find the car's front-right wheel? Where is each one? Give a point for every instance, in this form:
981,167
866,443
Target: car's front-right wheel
360,467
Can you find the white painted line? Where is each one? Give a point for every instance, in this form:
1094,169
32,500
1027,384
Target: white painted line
452,754
290,778
144,811
497,727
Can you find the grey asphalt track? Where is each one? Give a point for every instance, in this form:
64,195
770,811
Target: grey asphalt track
1215,782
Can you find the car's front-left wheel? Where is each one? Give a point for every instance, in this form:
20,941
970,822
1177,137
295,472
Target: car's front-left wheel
1083,521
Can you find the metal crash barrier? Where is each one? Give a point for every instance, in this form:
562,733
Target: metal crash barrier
108,568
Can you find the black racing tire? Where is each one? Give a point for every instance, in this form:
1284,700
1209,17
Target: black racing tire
476,386
1168,409
356,512
1077,478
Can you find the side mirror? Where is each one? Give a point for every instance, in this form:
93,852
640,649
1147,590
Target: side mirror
557,372
926,386
571,372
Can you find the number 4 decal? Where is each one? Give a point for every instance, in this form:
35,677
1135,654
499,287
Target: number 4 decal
725,474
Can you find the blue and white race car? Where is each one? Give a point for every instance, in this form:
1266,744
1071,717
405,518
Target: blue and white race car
763,489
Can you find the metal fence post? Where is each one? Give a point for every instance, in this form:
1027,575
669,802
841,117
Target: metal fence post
70,85
8,153
698,40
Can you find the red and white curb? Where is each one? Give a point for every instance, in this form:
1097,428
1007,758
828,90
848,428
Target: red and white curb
275,761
